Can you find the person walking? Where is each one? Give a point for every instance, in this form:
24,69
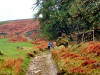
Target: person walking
50,45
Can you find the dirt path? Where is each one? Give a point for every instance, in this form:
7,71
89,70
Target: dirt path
42,65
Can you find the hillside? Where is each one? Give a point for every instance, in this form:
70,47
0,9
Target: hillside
19,26
78,59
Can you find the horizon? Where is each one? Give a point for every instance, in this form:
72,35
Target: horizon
18,19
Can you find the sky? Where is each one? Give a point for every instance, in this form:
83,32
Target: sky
16,9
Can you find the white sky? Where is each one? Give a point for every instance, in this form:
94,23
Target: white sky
16,9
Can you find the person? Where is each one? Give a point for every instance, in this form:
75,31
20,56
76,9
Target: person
50,44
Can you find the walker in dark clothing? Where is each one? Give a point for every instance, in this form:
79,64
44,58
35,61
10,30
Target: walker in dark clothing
50,44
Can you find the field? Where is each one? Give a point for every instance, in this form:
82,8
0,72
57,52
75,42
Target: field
10,52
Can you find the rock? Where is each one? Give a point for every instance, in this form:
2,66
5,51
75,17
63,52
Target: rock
19,48
1,53
37,71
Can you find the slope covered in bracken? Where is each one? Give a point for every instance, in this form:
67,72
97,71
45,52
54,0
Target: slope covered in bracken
78,59
19,26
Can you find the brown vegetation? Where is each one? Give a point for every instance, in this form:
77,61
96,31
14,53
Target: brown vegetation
83,61
30,54
18,39
16,64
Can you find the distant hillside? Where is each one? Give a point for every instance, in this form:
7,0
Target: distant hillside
19,26
4,22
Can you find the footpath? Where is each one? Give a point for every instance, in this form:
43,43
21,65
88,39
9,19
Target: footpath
42,65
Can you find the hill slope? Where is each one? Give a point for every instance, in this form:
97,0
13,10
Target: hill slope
19,26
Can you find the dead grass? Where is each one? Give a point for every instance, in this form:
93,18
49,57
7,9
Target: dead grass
15,64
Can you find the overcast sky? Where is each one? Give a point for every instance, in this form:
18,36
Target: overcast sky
16,9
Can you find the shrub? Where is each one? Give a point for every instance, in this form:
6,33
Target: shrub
30,54
61,41
18,39
9,62
18,65
14,64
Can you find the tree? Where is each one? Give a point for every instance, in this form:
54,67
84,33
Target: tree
67,16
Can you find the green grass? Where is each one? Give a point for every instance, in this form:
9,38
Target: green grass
9,50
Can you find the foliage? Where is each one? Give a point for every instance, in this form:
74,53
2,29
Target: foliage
18,39
82,62
87,62
67,16
92,47
15,64
42,45
62,41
